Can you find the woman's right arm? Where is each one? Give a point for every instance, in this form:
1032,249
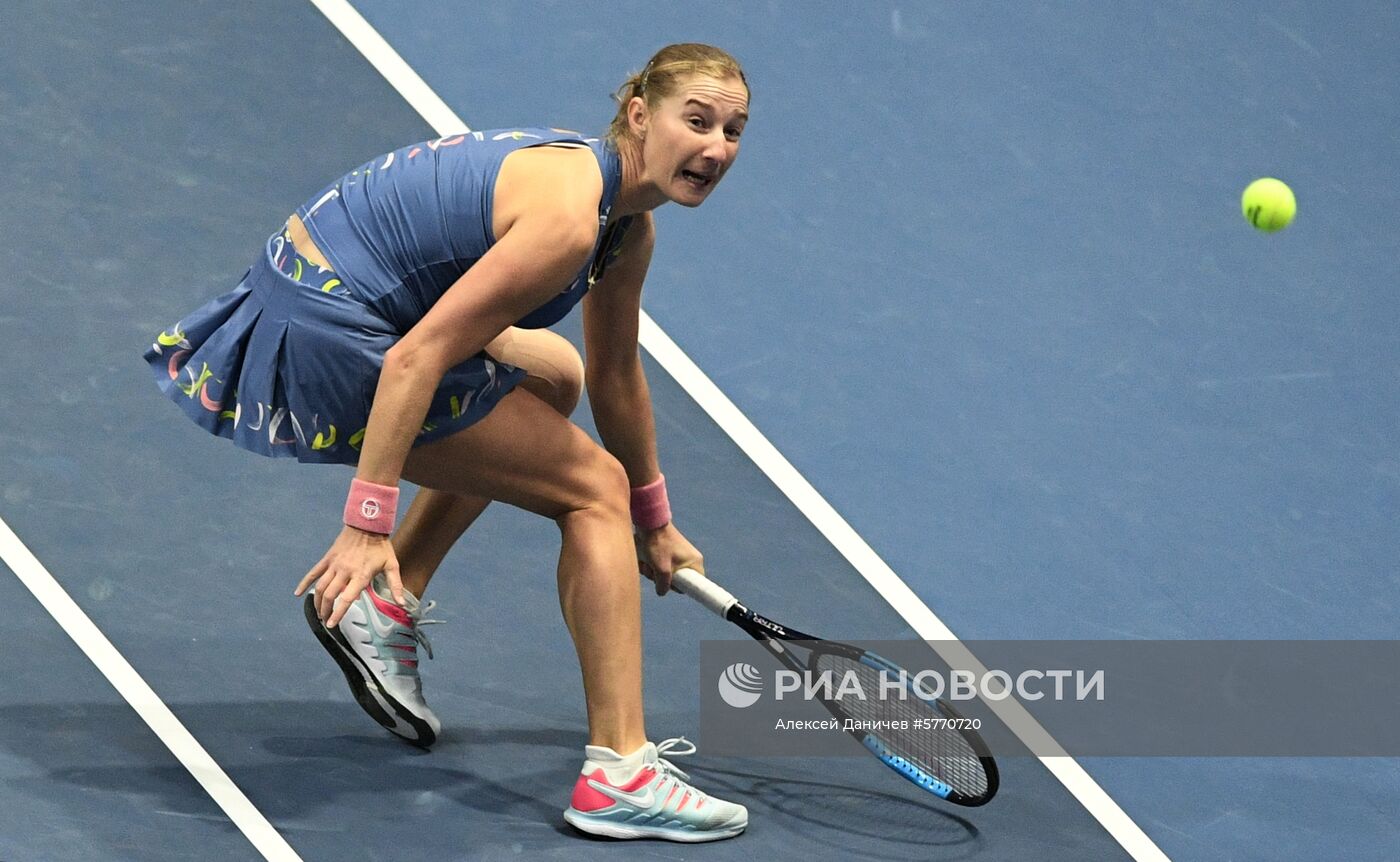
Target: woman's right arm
546,227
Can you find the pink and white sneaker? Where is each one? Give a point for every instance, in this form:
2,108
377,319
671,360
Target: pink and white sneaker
376,645
643,795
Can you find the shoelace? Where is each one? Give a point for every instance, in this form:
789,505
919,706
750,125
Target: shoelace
417,616
668,746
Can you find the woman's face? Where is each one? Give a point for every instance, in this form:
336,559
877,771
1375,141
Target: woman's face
692,137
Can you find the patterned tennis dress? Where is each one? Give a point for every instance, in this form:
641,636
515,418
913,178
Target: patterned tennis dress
286,364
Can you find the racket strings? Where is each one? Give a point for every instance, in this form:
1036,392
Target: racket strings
939,751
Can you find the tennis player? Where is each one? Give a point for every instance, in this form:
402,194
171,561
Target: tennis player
395,323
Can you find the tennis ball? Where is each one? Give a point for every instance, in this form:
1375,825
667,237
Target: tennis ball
1268,204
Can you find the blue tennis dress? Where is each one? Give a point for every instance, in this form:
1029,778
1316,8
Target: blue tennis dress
285,368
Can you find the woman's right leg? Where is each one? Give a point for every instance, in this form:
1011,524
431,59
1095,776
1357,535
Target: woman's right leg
526,454
437,519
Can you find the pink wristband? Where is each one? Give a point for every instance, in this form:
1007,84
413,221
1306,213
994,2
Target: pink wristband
371,507
650,508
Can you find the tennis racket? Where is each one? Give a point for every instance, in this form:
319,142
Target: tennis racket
934,746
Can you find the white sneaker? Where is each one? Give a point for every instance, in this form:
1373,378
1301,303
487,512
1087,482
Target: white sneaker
376,645
644,796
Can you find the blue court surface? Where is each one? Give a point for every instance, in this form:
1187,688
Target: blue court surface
980,274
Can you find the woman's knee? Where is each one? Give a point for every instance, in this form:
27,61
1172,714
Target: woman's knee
606,489
553,367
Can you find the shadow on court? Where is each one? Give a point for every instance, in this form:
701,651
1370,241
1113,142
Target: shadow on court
299,777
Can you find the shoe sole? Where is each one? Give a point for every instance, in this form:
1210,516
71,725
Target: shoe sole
583,823
369,694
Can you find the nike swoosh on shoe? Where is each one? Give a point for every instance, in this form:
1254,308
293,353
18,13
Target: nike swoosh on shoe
637,800
380,629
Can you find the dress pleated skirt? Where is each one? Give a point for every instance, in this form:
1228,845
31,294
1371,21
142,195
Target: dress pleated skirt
286,370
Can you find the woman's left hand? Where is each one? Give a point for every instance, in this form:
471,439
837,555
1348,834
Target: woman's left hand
347,569
664,550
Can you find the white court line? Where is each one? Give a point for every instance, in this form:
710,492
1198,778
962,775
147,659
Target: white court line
714,402
142,698
889,585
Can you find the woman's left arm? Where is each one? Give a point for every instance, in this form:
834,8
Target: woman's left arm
618,393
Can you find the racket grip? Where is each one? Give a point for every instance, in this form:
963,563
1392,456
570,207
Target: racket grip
703,590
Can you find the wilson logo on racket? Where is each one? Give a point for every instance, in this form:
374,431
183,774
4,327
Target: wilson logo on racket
771,626
740,685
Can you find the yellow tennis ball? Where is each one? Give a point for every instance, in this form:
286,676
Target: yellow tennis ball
1268,204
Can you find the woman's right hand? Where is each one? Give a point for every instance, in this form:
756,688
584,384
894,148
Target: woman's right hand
347,568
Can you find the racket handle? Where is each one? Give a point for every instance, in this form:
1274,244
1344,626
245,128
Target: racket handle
704,591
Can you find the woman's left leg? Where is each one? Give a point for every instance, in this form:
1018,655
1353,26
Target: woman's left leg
389,688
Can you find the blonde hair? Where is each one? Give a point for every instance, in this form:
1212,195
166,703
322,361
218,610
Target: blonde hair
663,75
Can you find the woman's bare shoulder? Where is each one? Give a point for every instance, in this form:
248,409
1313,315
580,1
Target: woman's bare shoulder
560,180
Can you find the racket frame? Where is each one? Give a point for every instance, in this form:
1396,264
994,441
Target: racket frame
772,634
